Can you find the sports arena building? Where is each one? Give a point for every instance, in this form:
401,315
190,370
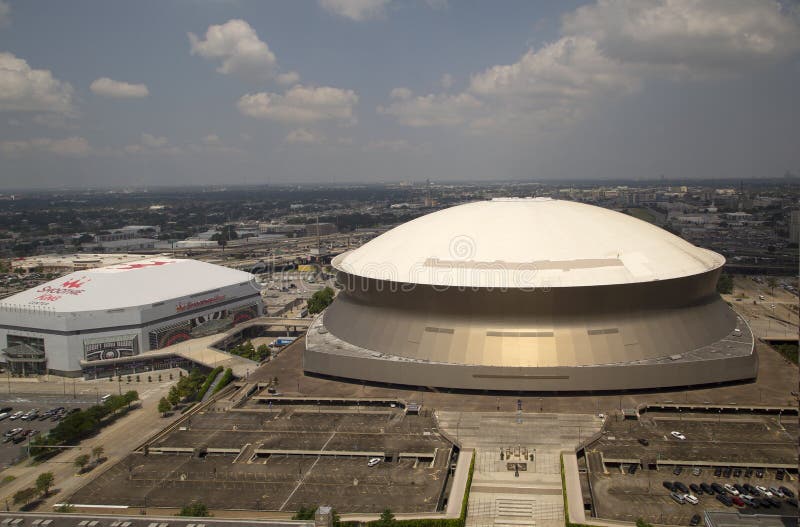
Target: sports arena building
120,311
530,294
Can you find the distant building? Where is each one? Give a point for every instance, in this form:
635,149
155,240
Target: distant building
320,229
70,262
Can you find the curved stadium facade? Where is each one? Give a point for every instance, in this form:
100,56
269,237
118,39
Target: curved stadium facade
530,294
120,311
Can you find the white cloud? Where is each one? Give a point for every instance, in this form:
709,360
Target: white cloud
117,89
28,90
301,104
433,110
288,78
568,69
446,81
689,36
400,93
609,49
5,13
211,139
303,136
73,146
238,45
153,141
358,10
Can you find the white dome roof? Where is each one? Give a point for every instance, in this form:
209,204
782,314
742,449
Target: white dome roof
527,242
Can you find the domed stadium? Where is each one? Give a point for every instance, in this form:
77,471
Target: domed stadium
530,294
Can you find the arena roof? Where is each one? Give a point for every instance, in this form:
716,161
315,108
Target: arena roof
527,242
128,284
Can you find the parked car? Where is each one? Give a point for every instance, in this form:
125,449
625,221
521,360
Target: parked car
764,491
696,471
668,485
749,501
643,442
737,501
724,500
4,415
748,473
6,410
681,487
779,474
373,461
718,488
707,488
695,520
691,499
718,471
726,472
632,469
787,492
16,415
731,489
737,472
678,435
694,487
677,470
677,497
776,491
759,472
739,488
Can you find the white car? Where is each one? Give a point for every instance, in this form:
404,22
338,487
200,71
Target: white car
731,489
373,461
764,491
678,435
690,498
776,491
16,415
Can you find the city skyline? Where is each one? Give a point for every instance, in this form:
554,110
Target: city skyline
374,91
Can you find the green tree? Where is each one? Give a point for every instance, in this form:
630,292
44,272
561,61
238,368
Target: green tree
641,523
44,482
196,508
97,452
24,496
320,300
164,406
81,461
772,284
725,284
386,519
263,351
173,396
304,513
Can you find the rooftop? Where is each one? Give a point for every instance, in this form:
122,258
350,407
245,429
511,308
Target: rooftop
527,242
127,284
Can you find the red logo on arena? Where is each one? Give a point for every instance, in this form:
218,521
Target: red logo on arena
142,265
75,284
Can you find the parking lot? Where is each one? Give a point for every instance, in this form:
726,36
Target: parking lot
622,496
281,458
11,452
724,449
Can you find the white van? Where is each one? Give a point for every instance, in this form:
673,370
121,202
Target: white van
105,398
691,499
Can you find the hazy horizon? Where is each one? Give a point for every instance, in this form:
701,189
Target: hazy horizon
343,92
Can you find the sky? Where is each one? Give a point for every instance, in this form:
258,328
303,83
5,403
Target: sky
226,92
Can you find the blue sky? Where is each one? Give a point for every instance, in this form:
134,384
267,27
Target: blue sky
98,93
